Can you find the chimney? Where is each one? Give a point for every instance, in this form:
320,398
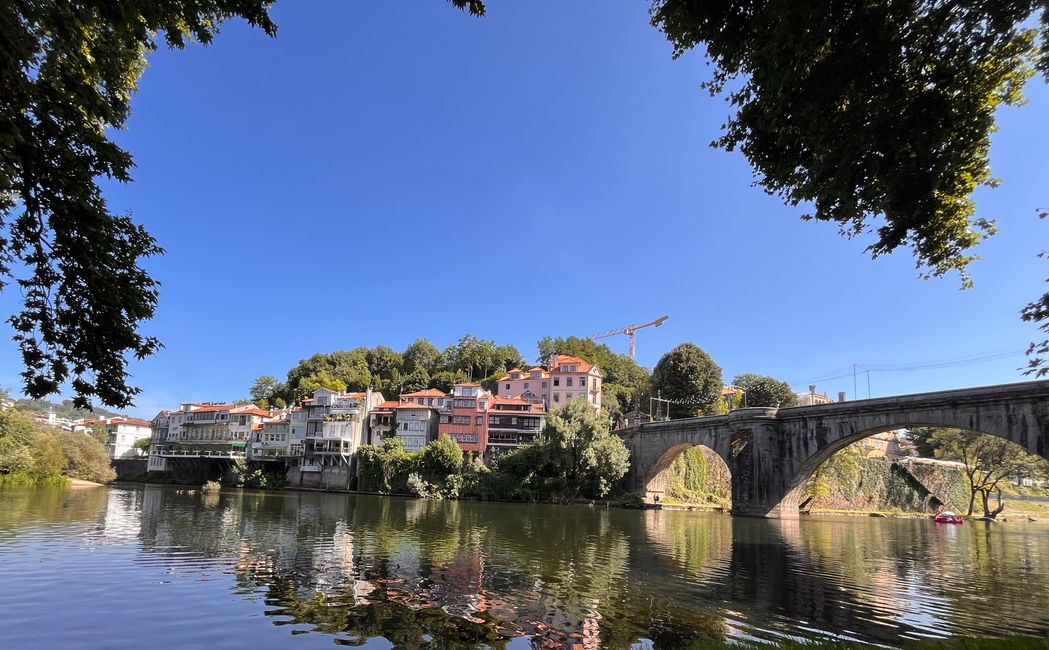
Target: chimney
841,396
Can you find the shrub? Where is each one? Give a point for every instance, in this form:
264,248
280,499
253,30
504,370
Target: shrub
211,487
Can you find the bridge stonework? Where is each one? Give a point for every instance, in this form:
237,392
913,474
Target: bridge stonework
771,452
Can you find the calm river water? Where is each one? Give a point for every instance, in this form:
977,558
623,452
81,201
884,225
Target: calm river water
141,567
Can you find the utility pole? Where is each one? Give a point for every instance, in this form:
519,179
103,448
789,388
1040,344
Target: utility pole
855,394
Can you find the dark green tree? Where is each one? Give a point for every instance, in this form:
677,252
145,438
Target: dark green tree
762,390
266,391
68,71
690,379
421,354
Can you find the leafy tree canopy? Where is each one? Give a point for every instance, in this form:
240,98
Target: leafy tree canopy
691,380
762,390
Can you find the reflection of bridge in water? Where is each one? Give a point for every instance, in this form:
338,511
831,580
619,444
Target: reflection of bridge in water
772,452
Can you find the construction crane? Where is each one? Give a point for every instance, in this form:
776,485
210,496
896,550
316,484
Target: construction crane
631,331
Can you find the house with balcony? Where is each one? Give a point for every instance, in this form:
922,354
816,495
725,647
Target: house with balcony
464,417
513,422
271,440
380,422
415,425
336,426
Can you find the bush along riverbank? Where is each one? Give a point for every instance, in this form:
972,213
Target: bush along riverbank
575,457
36,455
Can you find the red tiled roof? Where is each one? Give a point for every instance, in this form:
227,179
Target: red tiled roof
729,390
509,400
429,392
559,359
133,421
250,409
409,405
469,385
385,406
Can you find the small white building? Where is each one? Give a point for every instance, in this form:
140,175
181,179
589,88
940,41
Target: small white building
123,433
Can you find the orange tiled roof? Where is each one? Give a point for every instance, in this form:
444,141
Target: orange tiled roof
429,392
729,390
250,409
385,406
409,405
559,359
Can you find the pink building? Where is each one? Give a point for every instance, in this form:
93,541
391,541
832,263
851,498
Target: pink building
467,422
565,377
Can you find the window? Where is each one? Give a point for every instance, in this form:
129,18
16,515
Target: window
557,397
513,420
479,421
557,381
526,384
582,382
493,420
508,387
544,384
568,381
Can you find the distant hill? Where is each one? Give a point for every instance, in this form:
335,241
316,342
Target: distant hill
63,410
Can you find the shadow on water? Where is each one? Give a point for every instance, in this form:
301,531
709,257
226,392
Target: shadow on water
466,574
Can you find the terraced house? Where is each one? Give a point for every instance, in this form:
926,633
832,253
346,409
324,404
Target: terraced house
513,422
336,426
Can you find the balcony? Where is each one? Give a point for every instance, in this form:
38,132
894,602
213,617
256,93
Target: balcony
202,453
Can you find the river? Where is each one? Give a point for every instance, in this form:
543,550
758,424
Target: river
162,567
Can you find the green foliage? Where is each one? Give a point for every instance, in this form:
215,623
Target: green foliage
69,71
442,457
690,378
1037,312
85,458
386,469
322,379
762,390
99,433
266,391
258,479
33,454
876,111
988,461
142,445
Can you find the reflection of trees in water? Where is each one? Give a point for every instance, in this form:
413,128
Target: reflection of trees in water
498,566
909,577
27,508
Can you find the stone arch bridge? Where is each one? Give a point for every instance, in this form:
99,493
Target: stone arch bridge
772,452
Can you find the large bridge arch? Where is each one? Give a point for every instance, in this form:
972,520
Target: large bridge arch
772,452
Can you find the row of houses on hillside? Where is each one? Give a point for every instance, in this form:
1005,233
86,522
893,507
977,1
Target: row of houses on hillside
316,442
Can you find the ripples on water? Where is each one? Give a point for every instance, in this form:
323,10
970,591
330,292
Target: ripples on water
113,567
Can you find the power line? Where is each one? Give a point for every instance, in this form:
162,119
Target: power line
983,357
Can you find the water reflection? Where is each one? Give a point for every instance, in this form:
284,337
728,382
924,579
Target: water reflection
463,574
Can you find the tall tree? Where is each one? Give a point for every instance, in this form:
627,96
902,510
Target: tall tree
421,354
988,461
690,379
581,451
762,390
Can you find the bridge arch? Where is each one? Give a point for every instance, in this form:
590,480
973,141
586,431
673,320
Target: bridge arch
657,479
807,467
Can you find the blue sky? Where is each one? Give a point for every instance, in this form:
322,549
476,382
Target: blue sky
382,172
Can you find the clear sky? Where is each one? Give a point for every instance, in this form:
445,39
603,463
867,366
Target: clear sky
381,172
